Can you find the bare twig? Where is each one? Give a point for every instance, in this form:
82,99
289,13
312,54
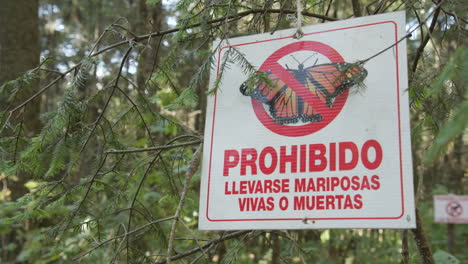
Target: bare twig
206,245
44,89
73,214
193,167
139,113
140,185
162,33
122,236
404,247
164,147
426,39
238,15
357,8
424,247
96,123
405,36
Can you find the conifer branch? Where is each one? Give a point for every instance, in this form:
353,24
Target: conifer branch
193,167
206,245
164,147
426,39
140,185
96,123
122,236
222,19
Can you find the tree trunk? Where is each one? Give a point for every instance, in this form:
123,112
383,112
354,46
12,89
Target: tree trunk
19,52
150,20
455,187
424,247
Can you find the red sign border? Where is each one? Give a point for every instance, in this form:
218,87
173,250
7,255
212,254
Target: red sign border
325,218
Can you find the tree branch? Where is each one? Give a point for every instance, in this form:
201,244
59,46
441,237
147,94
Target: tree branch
193,167
357,8
121,236
235,16
206,245
164,147
425,40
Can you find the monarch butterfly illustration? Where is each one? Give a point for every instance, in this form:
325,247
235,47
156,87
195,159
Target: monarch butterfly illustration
327,81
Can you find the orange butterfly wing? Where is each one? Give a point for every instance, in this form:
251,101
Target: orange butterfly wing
326,81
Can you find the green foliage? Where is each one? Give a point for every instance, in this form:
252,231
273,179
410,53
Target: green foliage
442,257
102,172
452,76
187,99
10,89
152,2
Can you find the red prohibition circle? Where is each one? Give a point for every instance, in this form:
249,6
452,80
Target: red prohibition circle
328,114
454,209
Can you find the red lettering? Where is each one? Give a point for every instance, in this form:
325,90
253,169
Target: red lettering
256,204
375,179
243,186
261,205
357,201
320,202
276,186
340,198
299,185
267,186
365,183
285,185
321,185
259,188
346,147
314,157
291,158
242,204
348,203
332,156
311,185
234,190
274,160
330,202
303,153
365,154
228,162
248,158
270,204
284,203
345,183
335,181
355,183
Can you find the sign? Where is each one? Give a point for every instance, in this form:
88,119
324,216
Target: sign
451,209
311,147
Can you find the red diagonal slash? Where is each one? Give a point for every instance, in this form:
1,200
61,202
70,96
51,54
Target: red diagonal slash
299,88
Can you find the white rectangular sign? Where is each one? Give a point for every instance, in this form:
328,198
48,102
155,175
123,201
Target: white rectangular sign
305,151
451,209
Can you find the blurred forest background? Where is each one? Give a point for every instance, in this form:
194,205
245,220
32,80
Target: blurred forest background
102,117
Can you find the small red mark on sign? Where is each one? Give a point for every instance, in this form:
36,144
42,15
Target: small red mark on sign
454,209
